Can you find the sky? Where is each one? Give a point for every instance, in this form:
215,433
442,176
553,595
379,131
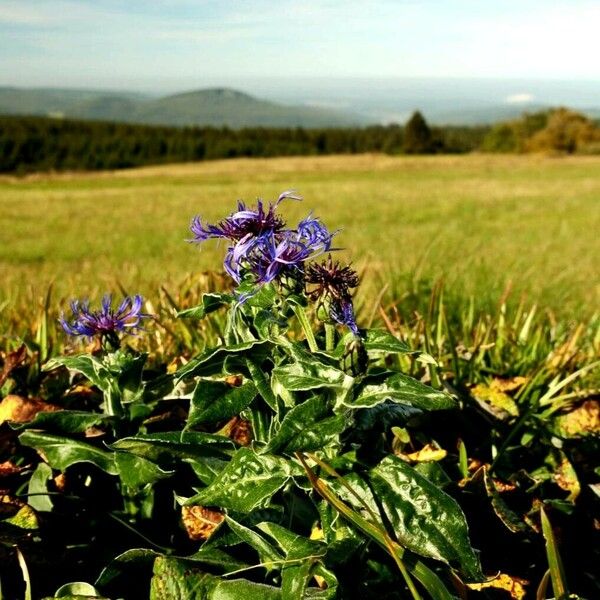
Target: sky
168,45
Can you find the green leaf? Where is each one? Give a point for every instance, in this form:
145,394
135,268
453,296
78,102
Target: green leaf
175,579
405,390
216,400
64,421
37,488
266,552
302,376
425,519
136,471
86,364
77,589
209,303
164,447
124,563
61,452
381,340
308,426
247,482
302,557
211,361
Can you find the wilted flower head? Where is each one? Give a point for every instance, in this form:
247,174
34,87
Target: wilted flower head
105,322
331,279
332,283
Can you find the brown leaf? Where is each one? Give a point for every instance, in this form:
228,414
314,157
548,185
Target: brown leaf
200,522
20,410
11,361
234,380
566,478
60,481
8,468
239,430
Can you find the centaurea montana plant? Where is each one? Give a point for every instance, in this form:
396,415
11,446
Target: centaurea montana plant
264,250
283,435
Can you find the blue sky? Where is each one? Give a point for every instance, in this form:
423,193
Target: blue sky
182,43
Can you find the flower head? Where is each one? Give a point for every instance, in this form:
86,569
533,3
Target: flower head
332,284
105,322
243,223
331,279
262,247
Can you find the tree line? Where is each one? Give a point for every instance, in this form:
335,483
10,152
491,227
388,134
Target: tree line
30,144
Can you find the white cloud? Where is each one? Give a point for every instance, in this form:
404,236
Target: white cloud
522,98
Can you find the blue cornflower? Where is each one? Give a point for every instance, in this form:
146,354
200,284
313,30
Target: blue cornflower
106,322
314,233
243,223
261,245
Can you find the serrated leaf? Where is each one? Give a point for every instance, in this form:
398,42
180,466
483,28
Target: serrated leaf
247,482
216,400
403,389
308,426
425,519
62,452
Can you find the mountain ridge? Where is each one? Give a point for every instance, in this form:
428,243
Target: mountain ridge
219,106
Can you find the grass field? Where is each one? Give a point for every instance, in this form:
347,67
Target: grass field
478,222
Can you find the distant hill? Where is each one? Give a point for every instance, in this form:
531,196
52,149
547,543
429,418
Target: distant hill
217,106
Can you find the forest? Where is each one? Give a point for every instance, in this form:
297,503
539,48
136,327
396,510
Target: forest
32,144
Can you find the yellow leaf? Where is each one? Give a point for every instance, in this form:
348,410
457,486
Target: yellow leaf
584,420
515,586
499,403
20,410
428,453
566,478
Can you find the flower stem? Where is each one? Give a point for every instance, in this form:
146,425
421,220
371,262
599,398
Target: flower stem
329,337
308,332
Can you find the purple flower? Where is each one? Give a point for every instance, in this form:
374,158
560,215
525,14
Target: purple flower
314,233
342,312
106,322
244,222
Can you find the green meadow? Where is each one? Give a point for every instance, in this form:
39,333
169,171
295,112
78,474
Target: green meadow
481,224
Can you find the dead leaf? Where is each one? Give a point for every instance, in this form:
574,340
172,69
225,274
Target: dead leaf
495,401
8,468
234,380
508,385
515,586
200,522
11,361
428,453
582,421
566,478
20,410
239,430
60,481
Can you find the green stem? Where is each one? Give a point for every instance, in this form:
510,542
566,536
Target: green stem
308,332
329,337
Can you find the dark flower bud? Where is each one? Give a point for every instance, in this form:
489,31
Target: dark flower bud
354,361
